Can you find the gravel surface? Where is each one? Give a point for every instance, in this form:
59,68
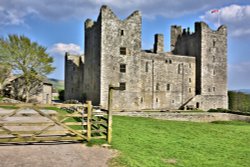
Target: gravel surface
54,155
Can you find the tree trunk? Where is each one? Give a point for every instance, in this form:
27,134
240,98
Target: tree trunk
27,90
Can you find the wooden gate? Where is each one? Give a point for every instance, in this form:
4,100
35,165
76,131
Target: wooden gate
32,124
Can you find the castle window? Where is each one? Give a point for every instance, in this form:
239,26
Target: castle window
189,79
213,72
213,59
190,66
214,89
172,101
189,90
197,105
209,90
157,86
146,67
168,87
123,85
156,99
122,50
214,43
166,61
179,68
142,100
123,68
122,32
170,61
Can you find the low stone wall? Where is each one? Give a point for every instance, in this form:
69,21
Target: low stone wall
194,117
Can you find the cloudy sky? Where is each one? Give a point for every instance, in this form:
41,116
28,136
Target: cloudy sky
58,25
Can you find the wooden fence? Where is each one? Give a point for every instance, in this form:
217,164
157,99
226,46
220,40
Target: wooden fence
29,123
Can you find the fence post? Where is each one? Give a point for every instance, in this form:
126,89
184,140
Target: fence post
89,118
110,98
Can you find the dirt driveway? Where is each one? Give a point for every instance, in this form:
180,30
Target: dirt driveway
54,155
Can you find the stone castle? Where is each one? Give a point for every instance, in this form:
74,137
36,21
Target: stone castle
192,75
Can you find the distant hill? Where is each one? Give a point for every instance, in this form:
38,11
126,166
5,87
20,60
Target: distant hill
247,91
57,84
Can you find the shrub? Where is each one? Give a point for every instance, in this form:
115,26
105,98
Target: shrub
61,95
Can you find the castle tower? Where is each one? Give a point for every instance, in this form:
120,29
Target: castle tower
210,49
74,71
159,43
109,43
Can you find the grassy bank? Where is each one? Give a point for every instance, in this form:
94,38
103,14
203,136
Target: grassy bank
148,143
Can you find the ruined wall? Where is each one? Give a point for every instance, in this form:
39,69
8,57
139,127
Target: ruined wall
159,43
120,44
92,60
47,94
74,68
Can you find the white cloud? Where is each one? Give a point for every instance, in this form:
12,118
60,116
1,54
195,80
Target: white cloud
61,48
236,17
16,11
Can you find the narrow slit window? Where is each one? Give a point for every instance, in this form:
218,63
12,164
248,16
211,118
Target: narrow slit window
123,68
189,80
214,43
214,89
179,68
190,90
157,86
170,61
168,87
146,67
122,32
156,99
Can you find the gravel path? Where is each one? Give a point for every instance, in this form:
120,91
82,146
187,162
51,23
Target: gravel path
56,155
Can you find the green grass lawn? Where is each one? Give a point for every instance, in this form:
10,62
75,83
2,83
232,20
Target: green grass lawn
147,142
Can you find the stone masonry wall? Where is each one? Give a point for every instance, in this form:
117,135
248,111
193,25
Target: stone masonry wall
92,66
117,35
210,49
195,73
167,82
74,69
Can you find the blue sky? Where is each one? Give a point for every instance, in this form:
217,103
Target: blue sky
58,25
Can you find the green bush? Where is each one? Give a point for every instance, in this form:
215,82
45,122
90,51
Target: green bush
239,101
61,95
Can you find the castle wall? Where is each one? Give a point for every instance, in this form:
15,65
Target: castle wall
184,43
121,42
195,73
92,67
74,69
210,49
167,82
